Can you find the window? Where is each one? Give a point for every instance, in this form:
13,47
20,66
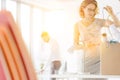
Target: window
12,7
36,31
0,5
25,24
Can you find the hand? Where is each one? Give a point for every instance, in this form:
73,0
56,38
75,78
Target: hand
109,10
42,71
80,46
71,49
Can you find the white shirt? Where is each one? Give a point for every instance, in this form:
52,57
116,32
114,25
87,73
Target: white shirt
50,52
55,52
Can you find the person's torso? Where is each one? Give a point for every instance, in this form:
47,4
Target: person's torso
55,50
92,33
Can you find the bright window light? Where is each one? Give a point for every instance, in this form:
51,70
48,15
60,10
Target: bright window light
12,7
25,24
36,36
0,4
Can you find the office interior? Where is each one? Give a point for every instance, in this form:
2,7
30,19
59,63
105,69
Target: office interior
56,17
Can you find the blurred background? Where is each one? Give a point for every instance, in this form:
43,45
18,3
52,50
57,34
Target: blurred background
55,16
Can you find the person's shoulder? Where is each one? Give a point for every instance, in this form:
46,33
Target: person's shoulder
78,23
53,40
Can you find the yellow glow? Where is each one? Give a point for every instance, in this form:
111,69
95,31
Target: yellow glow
60,26
54,21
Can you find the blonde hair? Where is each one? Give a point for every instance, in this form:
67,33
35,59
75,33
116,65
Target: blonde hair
44,34
84,4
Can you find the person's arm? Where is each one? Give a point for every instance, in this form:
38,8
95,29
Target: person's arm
76,38
45,62
113,16
54,53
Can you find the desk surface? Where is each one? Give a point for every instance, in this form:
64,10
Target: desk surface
78,76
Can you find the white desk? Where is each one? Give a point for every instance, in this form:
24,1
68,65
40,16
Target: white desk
65,76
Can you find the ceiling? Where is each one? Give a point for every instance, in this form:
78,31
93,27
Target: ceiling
53,4
68,4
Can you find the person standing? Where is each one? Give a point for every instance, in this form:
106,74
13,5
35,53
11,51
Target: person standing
88,31
54,59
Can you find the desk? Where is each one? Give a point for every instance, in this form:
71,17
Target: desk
65,76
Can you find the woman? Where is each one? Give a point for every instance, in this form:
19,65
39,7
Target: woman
88,30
